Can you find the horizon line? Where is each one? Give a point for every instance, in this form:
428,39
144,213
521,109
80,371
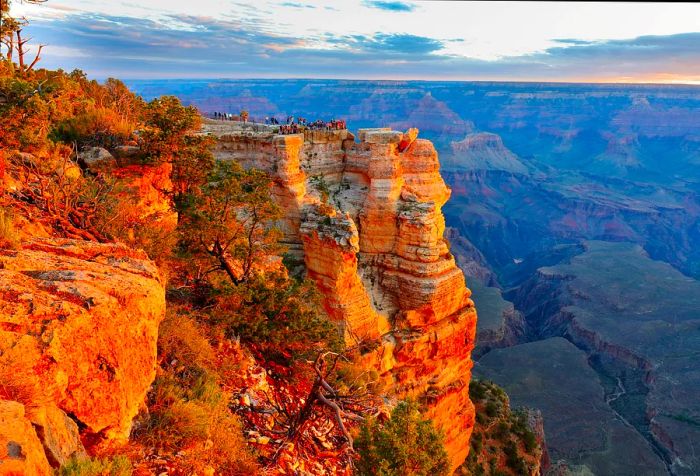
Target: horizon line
692,83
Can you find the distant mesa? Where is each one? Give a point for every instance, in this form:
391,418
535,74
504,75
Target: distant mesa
484,151
431,115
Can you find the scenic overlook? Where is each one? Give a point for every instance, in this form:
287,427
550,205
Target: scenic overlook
368,237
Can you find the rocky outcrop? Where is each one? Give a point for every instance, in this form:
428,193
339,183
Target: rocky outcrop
365,218
78,331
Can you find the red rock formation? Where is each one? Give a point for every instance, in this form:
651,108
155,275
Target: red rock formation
78,330
366,219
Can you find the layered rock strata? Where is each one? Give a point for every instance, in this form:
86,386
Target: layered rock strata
365,219
78,331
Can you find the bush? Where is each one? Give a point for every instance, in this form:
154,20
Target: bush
406,445
98,127
514,461
279,315
226,448
173,422
182,398
116,466
477,390
492,409
181,340
187,407
8,234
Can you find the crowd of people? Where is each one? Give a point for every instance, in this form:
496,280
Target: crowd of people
300,124
293,125
226,116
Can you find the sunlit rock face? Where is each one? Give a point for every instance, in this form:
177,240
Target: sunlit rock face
78,331
365,219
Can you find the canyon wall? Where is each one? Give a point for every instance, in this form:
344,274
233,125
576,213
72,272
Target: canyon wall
364,218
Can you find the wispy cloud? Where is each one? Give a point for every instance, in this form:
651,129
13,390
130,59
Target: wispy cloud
392,6
573,41
297,5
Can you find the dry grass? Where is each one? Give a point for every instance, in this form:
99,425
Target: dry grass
183,340
8,234
116,466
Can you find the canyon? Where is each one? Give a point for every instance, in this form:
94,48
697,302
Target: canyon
548,181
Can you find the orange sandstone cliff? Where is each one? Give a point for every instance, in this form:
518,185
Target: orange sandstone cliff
365,220
78,330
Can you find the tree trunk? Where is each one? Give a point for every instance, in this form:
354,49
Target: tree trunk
225,262
20,50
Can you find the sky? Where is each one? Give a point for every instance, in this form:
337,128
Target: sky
371,39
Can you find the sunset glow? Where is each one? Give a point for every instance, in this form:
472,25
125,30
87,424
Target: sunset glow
365,39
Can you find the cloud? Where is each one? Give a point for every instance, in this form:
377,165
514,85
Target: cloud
392,6
573,41
388,43
207,47
296,5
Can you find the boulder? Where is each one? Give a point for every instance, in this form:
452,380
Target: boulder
78,333
96,159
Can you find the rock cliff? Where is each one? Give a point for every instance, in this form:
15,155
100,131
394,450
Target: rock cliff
78,329
365,220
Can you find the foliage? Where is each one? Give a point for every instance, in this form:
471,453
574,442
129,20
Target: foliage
117,466
187,409
502,441
42,107
405,445
192,166
230,219
278,315
182,339
167,124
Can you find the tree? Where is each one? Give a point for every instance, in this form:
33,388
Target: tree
170,135
279,315
11,36
191,168
167,125
230,219
406,445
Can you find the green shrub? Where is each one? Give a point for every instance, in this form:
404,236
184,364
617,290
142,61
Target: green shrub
492,409
406,445
116,466
279,315
514,462
173,426
502,430
477,390
182,340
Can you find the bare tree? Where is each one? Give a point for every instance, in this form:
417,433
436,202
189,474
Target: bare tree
11,35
